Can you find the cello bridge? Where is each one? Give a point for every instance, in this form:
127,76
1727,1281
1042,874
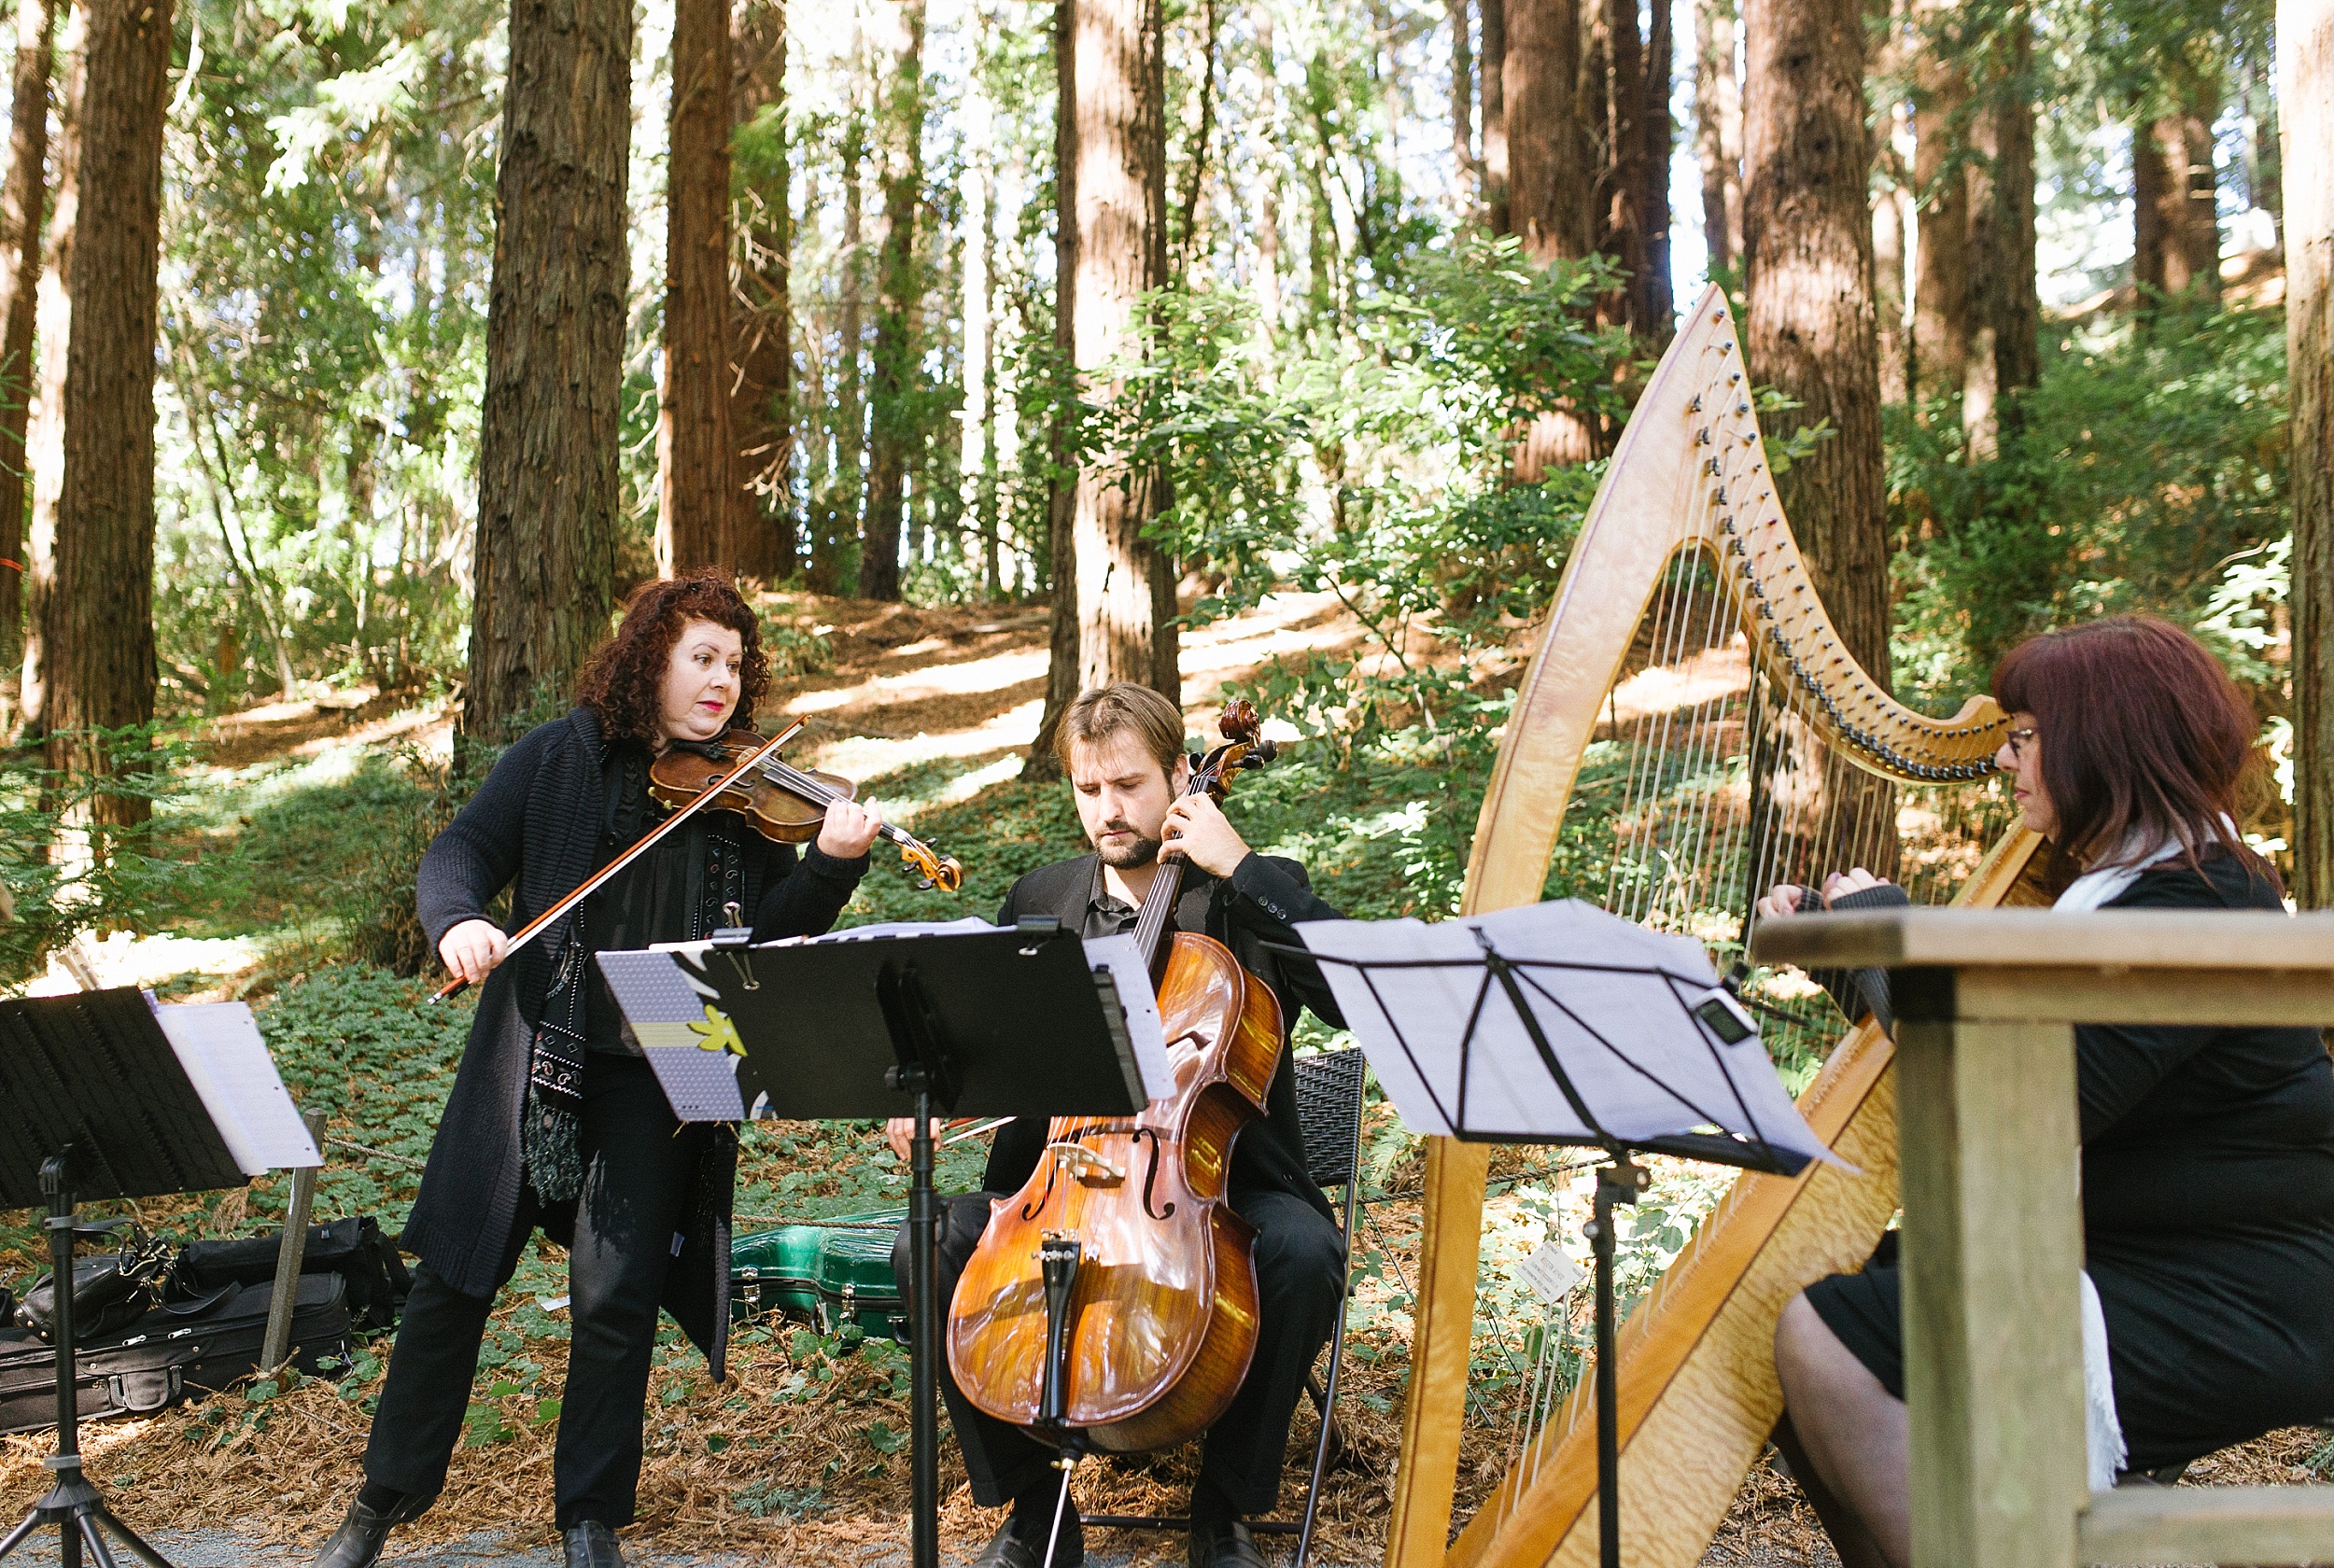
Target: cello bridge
1082,1162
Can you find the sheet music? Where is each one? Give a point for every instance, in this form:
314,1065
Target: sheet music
228,1063
1123,958
1642,1064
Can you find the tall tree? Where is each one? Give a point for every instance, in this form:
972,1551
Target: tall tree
2176,217
22,200
1550,184
1126,589
761,359
2004,309
1940,179
2305,84
899,296
977,463
1062,478
1810,332
45,441
1495,94
693,451
548,496
1639,122
1465,173
1718,130
100,610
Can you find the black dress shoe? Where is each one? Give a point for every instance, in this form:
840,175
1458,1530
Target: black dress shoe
1226,1545
592,1545
1008,1550
356,1544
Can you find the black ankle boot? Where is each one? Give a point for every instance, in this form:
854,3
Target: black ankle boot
591,1544
356,1544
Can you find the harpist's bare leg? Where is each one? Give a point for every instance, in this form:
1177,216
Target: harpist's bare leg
1853,1441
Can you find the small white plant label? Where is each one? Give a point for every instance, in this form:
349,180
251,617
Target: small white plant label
1551,1272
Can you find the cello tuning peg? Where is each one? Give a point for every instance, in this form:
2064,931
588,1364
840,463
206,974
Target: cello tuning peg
923,884
1263,752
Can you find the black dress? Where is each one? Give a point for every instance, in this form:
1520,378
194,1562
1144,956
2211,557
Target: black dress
2208,1216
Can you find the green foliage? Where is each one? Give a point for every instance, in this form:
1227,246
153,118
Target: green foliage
2145,466
59,875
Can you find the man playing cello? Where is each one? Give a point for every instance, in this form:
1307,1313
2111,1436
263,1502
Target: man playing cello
1123,748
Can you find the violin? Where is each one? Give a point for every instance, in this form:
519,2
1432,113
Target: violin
784,803
1159,1321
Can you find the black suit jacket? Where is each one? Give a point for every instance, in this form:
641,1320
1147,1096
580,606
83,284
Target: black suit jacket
1259,902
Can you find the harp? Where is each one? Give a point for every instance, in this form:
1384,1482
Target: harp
1691,701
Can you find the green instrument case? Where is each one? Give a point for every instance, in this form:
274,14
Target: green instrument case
826,1275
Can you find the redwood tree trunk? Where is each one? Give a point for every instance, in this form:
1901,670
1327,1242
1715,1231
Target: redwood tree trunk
21,200
2305,82
1549,196
548,496
1495,94
1125,587
100,611
2004,309
693,451
1810,332
1061,667
45,443
1466,171
1718,132
899,295
1941,270
762,361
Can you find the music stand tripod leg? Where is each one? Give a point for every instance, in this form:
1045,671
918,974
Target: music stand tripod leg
1619,1181
74,1505
923,1268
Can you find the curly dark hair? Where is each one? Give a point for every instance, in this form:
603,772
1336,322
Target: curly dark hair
623,681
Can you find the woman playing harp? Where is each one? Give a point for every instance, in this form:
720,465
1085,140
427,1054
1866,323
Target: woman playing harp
2208,1153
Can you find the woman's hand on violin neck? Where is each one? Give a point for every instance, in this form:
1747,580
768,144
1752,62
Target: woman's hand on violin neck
1197,828
850,829
471,951
900,1132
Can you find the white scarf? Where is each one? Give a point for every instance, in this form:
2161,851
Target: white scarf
2102,1429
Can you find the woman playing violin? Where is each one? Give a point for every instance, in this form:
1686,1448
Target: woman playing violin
555,1122
2208,1153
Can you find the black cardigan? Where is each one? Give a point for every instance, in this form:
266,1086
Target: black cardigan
539,817
2186,1128
1259,902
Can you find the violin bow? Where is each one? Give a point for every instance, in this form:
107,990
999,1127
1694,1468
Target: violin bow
593,883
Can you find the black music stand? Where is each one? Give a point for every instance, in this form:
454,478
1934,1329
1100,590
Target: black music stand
1577,1046
105,1110
915,1026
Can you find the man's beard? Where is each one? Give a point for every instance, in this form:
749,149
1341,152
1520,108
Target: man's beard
1126,856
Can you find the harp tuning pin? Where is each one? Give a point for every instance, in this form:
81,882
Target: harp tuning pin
1695,406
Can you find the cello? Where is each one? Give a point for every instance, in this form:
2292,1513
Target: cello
1112,1301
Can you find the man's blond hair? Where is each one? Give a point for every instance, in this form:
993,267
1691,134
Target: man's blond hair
1108,710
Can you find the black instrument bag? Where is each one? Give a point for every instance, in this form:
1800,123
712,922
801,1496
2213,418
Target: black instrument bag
170,1356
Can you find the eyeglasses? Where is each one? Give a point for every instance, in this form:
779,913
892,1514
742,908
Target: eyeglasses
2018,741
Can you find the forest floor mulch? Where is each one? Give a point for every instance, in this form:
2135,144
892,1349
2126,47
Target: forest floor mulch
802,1455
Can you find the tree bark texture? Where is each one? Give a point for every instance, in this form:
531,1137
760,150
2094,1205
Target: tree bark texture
1941,270
548,496
45,441
694,450
2305,81
1062,486
1638,217
1656,291
836,529
1549,180
1124,586
1495,112
2006,309
100,612
899,296
1807,166
1890,199
761,360
23,198
1810,321
1718,132
1465,170
2175,226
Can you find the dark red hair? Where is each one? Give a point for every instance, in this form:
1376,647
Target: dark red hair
2145,739
623,679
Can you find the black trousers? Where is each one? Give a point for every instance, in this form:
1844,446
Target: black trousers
637,1180
1301,1288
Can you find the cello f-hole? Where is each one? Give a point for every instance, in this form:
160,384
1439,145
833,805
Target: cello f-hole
1150,1176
